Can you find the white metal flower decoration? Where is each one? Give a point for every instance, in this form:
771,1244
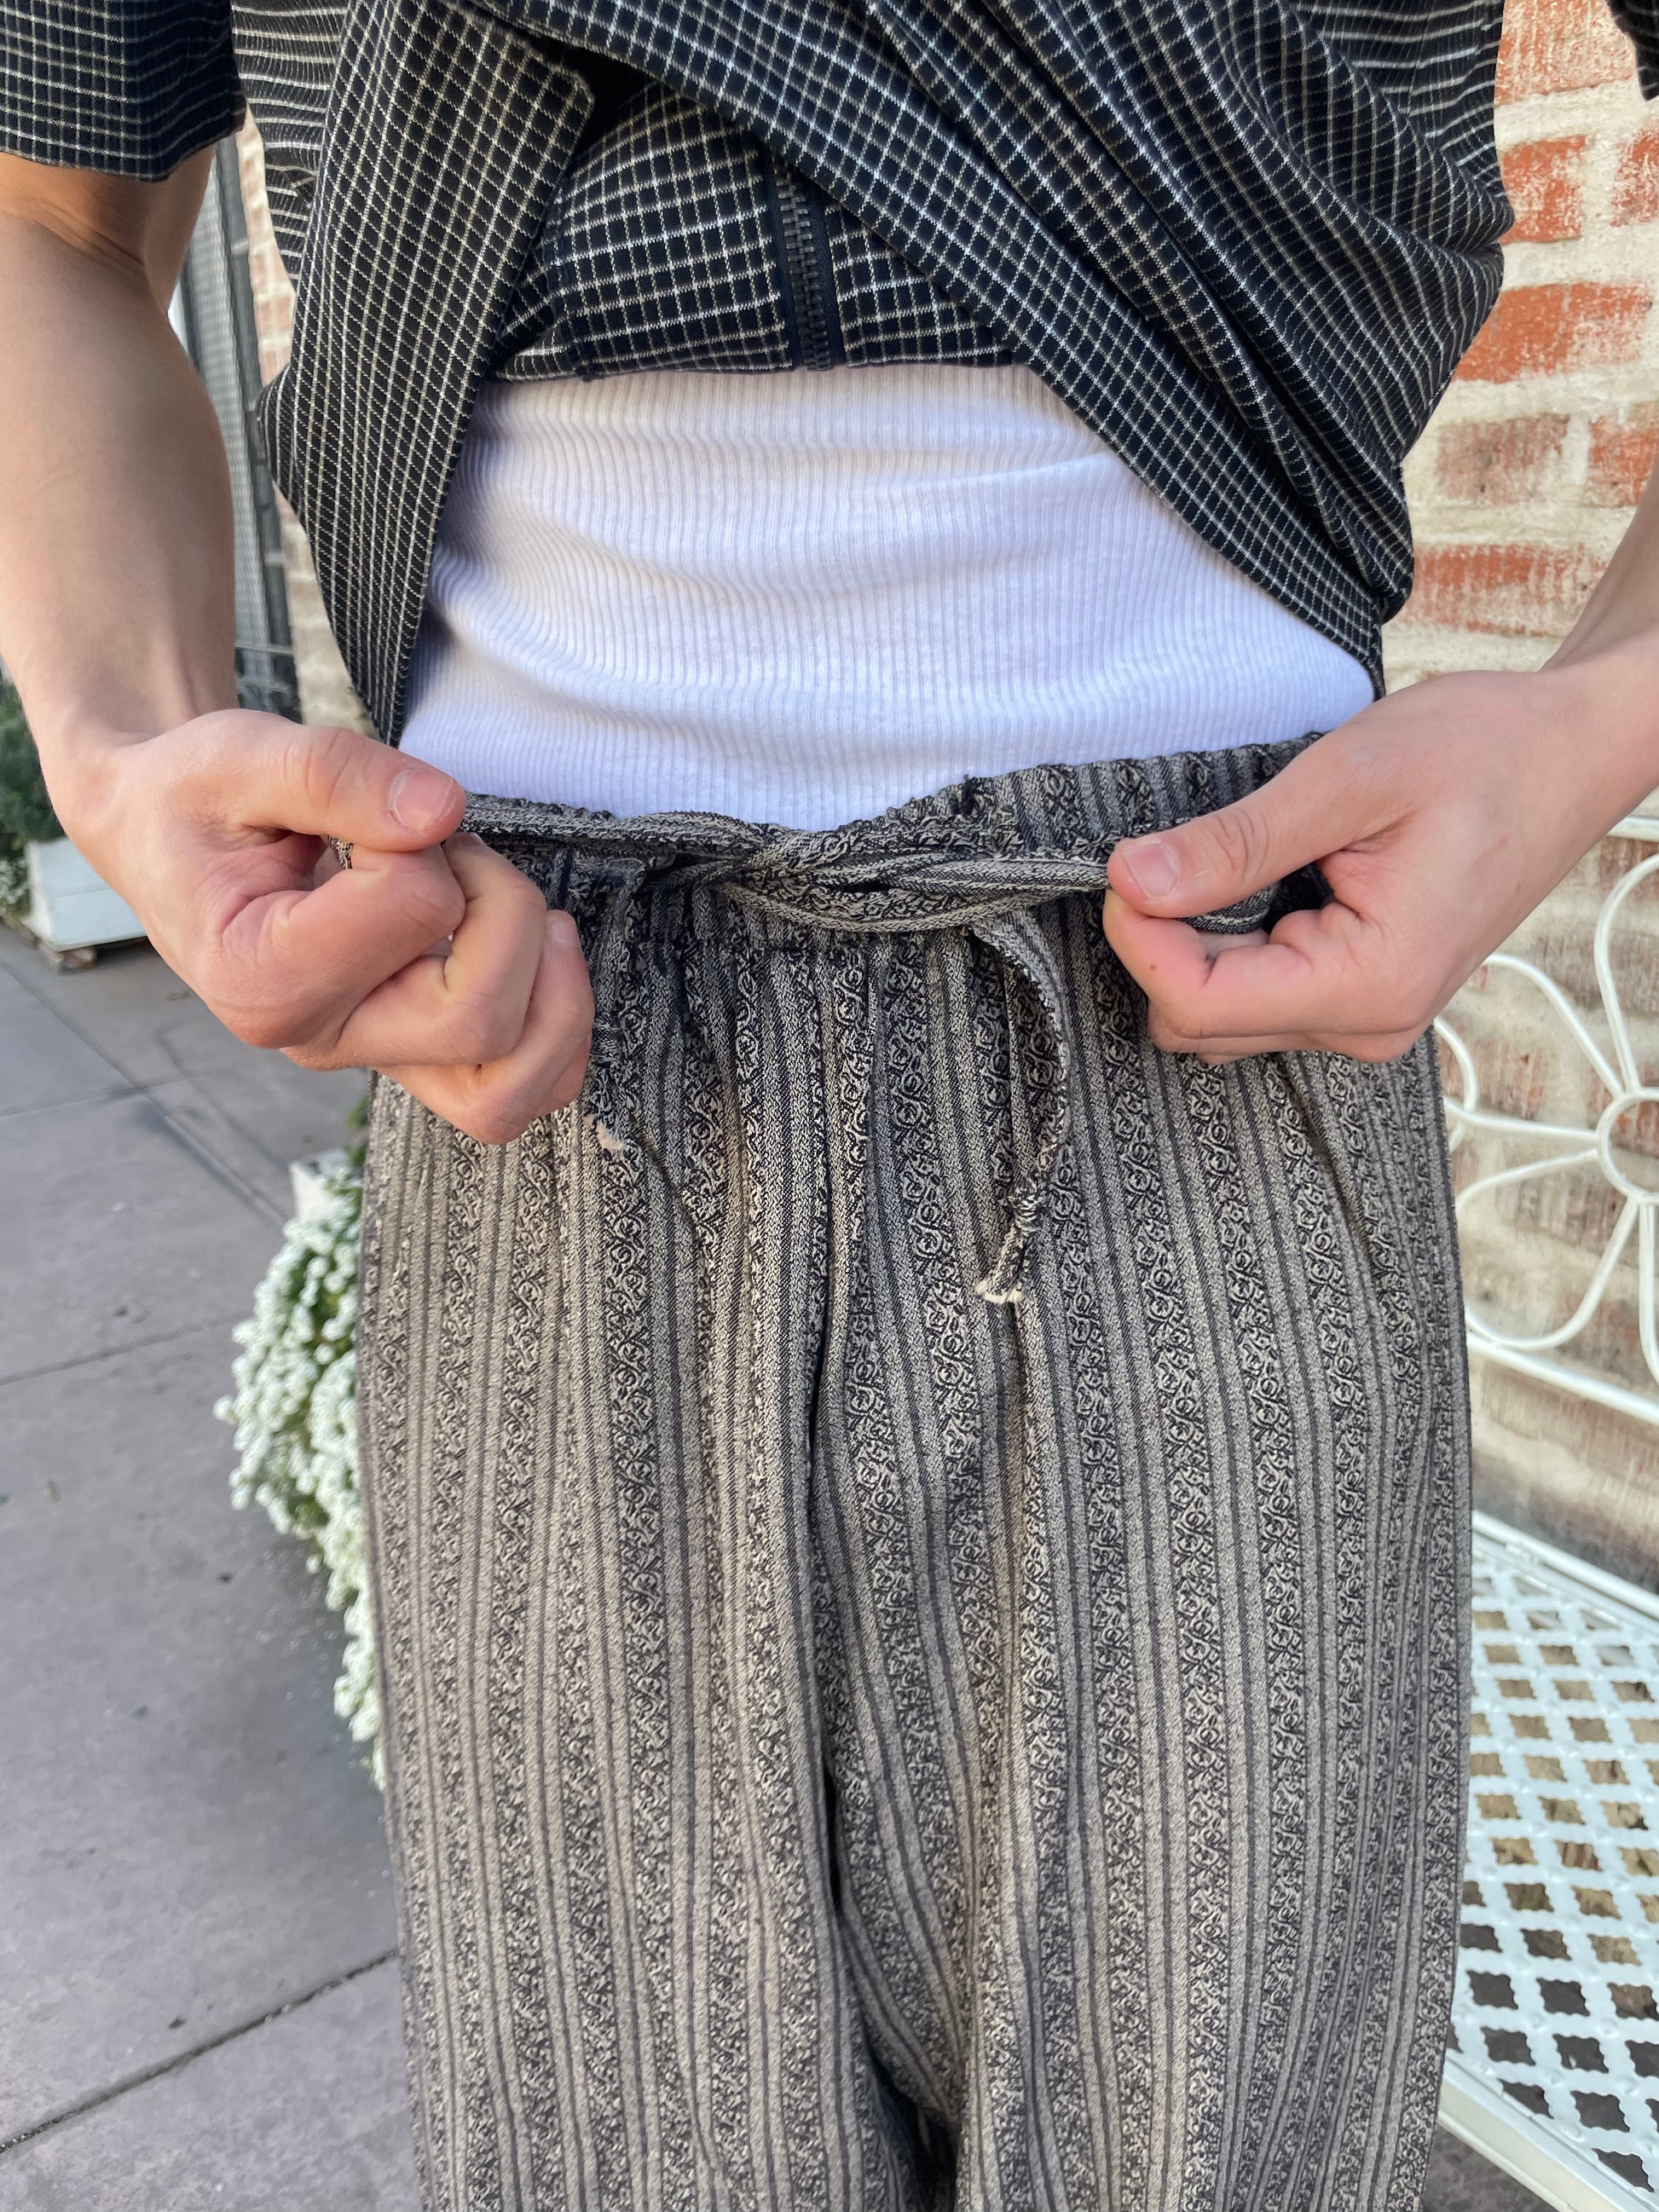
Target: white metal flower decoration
1569,1146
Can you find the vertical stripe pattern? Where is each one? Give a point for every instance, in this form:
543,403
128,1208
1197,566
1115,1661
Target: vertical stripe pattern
921,1554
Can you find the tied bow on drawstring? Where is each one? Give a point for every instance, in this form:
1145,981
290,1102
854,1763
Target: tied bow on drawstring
992,895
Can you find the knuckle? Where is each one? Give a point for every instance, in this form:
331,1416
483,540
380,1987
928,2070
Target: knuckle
270,1027
1373,1049
321,1058
1186,1026
516,902
565,1093
498,1033
1398,1009
318,761
529,910
478,1032
1396,1047
271,1010
433,899
1371,761
575,1023
1240,840
496,1121
196,757
569,1084
531,900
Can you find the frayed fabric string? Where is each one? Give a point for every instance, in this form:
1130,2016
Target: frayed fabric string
1015,938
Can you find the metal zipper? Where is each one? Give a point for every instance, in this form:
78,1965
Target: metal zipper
806,276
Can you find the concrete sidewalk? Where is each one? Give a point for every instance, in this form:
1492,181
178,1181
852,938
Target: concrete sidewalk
197,1996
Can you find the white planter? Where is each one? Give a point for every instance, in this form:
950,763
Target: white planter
70,907
313,1182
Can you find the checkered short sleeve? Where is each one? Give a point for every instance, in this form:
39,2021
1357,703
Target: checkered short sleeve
130,87
1640,18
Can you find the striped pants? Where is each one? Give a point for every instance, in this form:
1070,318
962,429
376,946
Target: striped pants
920,1550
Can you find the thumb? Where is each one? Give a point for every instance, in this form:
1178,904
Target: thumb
1307,812
270,775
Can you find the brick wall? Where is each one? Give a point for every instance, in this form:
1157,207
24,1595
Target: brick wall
1519,489
1524,482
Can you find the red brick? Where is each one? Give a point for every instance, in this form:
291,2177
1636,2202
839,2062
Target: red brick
1637,1130
1623,450
1536,330
1498,464
1558,45
1513,591
1545,180
1636,180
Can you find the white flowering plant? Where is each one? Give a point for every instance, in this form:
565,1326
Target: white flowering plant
25,810
13,887
294,1409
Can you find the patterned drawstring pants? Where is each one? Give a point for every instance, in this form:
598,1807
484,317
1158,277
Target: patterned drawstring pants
919,1552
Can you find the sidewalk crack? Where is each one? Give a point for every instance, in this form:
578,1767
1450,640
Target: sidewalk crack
165,2066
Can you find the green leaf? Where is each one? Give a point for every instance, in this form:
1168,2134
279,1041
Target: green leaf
25,812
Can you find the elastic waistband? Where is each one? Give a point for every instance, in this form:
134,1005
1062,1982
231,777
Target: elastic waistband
990,842
981,856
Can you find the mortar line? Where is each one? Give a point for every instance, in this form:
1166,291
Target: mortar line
165,2066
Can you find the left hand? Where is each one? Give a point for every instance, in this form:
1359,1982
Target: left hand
1440,818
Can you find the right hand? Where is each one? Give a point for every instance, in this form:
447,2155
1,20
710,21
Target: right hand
431,959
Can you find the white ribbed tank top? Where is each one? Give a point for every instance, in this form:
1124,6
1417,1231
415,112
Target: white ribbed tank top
804,598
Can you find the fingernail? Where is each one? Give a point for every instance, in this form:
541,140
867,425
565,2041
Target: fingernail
420,799
1153,867
561,927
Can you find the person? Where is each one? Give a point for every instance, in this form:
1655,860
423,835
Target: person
914,1444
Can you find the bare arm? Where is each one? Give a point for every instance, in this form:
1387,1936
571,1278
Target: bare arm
115,546
115,621
1441,815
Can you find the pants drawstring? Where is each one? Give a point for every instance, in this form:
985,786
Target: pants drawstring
807,879
992,898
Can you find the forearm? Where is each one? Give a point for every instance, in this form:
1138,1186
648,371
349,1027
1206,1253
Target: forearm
116,620
1624,608
1609,662
116,606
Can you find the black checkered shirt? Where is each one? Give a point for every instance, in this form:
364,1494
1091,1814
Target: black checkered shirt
1246,240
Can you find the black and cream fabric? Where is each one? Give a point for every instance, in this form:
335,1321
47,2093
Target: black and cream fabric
1246,240
919,1546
